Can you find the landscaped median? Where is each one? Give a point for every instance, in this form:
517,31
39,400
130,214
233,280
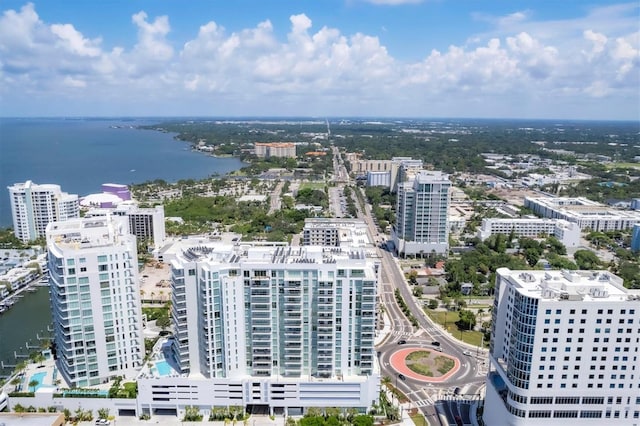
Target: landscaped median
424,365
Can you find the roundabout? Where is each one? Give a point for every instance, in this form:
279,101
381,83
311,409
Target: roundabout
425,365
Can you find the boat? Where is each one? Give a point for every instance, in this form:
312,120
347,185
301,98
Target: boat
32,289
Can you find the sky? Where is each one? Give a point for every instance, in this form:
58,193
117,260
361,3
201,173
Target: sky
535,59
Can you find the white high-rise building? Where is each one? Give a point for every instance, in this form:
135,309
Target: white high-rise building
564,350
33,206
145,223
95,301
422,215
276,326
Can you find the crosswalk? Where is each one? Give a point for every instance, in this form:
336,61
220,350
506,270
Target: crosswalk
401,333
423,402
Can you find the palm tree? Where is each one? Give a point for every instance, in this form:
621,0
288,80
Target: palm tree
20,367
386,380
33,384
39,358
15,382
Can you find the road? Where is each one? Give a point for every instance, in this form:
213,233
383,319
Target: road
276,202
469,378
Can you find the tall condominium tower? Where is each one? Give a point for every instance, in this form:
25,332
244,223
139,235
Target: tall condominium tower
95,300
275,326
34,206
564,350
423,215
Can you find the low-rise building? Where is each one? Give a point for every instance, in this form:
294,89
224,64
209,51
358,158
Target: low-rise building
586,213
567,232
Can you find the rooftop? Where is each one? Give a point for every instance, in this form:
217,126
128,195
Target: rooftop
86,233
570,285
31,419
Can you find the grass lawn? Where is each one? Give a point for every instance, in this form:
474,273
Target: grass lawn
471,337
622,165
419,420
313,185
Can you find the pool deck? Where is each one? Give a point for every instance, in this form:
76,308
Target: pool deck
161,353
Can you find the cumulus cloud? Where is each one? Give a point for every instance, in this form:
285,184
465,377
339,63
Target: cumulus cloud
319,69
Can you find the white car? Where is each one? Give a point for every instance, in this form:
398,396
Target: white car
467,352
102,422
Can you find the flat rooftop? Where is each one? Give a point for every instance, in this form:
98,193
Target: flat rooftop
570,285
31,419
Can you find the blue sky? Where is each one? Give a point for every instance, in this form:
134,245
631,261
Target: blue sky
390,58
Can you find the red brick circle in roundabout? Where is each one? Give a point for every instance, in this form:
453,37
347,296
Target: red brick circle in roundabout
398,362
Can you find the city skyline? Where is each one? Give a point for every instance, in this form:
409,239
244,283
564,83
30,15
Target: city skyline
389,58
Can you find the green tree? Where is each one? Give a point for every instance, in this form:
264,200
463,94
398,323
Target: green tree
586,259
417,291
362,420
433,304
467,320
103,413
192,414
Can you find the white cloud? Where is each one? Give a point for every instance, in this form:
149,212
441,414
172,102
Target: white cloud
152,42
322,70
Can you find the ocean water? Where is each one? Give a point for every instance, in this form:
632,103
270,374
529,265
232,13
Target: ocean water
82,154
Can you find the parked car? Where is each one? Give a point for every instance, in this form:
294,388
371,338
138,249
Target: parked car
102,422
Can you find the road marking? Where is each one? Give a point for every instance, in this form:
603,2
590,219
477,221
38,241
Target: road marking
423,402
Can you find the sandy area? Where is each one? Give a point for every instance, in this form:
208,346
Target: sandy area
155,281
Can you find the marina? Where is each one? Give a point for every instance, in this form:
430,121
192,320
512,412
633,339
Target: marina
24,326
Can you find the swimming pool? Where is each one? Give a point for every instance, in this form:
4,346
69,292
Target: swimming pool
38,377
163,368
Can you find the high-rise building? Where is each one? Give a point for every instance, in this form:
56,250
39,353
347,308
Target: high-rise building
95,301
422,215
275,149
33,206
335,232
145,223
278,326
564,350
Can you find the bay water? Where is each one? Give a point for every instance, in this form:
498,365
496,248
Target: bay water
82,154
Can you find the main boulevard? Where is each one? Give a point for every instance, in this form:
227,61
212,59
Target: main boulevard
451,395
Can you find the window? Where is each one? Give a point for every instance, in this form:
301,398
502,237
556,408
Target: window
586,414
562,414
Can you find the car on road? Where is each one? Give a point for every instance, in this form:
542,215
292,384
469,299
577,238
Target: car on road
467,352
102,422
439,349
435,343
402,342
456,391
401,377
